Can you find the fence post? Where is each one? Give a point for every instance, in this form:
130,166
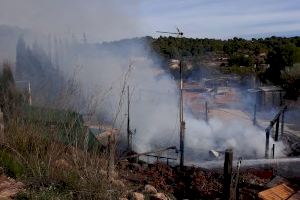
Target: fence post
227,174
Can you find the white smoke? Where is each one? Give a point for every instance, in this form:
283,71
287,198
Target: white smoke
99,20
154,106
101,72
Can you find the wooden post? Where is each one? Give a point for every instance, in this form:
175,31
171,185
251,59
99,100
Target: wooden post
267,143
227,174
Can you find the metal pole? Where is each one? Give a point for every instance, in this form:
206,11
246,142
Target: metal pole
273,151
227,174
129,142
181,93
182,123
182,129
235,195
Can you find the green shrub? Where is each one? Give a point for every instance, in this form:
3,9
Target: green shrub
48,193
12,167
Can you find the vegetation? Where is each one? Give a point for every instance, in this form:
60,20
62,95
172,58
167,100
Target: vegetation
269,58
50,168
10,98
171,47
45,149
34,66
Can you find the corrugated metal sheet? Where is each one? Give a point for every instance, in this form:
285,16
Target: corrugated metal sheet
280,192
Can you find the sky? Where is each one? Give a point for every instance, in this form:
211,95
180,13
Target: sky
106,20
224,18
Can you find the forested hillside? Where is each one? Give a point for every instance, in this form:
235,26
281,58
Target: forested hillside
274,59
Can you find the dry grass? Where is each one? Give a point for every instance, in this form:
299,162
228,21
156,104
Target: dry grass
50,168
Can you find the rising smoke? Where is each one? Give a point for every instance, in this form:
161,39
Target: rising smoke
154,105
104,72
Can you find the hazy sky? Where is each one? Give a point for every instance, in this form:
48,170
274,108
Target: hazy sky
224,18
115,19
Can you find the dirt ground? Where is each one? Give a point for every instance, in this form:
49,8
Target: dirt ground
192,182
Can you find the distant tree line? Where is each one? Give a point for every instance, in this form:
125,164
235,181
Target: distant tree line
271,58
10,98
172,47
34,65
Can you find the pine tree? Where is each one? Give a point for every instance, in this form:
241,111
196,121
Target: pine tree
9,97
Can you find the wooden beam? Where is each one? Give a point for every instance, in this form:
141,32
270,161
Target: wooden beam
227,174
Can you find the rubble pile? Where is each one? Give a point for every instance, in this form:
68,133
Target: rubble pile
207,183
192,182
188,183
256,177
253,181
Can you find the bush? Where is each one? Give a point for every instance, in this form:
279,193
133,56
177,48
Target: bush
12,167
51,168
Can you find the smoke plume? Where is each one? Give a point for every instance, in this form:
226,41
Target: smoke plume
105,70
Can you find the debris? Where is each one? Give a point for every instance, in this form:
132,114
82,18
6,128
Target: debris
159,196
149,189
135,167
136,196
279,192
277,181
117,183
103,172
